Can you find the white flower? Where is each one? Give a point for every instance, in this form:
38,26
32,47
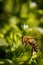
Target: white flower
33,4
26,26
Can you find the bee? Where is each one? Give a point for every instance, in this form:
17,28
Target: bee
29,40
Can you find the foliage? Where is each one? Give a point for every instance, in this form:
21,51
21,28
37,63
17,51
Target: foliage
19,18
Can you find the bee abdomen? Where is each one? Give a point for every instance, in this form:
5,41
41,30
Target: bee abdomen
35,46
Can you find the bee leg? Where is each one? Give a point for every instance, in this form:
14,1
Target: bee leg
33,52
25,44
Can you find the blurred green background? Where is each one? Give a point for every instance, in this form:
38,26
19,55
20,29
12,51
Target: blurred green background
18,18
